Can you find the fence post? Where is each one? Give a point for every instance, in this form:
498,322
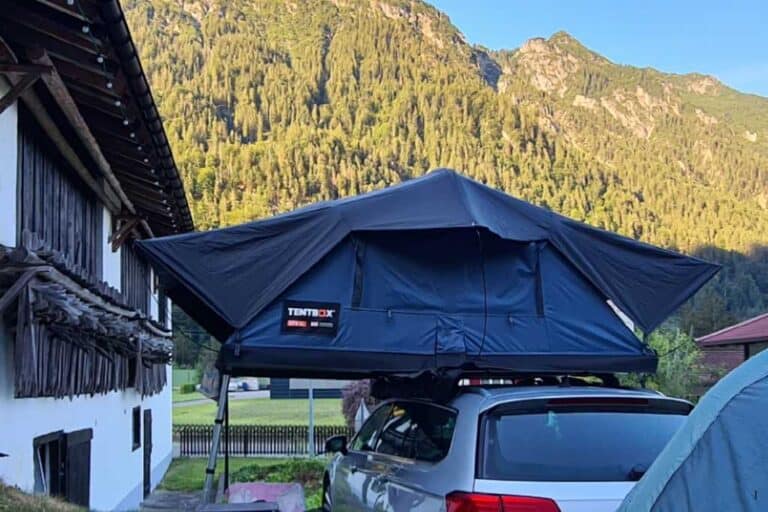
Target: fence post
250,440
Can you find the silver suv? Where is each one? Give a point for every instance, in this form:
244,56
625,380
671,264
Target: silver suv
510,449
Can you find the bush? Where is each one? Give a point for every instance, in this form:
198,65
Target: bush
186,389
681,372
351,396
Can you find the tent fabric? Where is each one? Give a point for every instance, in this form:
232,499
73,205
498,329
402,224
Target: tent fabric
716,461
440,271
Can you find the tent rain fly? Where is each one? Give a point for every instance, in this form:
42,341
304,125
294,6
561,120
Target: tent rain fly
439,272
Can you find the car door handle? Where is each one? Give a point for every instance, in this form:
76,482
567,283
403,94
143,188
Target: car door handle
353,469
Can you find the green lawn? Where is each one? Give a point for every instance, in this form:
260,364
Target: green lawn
263,411
188,474
186,397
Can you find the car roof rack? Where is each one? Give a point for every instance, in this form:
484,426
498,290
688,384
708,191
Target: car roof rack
443,386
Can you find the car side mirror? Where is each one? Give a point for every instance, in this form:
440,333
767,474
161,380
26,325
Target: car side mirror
336,444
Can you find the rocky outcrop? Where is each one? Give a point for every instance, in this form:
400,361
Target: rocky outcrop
704,85
705,118
547,65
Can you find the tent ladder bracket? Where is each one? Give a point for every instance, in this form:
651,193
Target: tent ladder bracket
214,452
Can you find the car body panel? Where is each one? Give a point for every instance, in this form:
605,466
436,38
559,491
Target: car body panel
570,496
386,483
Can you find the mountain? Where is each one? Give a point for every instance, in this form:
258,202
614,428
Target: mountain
273,104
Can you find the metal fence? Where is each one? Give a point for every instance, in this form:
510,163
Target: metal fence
255,440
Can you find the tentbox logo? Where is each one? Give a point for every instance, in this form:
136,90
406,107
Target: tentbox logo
306,317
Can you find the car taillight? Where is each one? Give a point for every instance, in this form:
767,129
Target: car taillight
475,502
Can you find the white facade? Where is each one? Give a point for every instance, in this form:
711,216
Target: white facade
110,260
8,150
116,468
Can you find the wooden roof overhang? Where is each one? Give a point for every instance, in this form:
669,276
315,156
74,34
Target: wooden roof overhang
56,301
74,64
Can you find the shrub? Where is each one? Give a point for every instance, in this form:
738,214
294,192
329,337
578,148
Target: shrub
351,396
307,472
186,388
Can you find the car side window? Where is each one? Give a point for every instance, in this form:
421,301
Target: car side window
418,431
366,436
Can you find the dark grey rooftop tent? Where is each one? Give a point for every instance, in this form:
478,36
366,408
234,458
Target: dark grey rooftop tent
440,272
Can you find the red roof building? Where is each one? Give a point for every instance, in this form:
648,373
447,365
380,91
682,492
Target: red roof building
731,346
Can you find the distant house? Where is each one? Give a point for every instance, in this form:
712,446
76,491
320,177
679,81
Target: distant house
85,169
729,347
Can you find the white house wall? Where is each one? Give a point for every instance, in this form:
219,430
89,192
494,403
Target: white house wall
8,170
116,469
111,260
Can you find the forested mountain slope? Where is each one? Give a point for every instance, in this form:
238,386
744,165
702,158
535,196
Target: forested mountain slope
274,104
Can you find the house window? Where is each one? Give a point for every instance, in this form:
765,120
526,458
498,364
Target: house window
162,308
48,451
136,427
136,286
755,348
132,365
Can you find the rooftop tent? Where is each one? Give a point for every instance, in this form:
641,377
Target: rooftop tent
437,272
716,461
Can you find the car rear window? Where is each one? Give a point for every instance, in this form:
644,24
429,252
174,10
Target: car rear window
576,440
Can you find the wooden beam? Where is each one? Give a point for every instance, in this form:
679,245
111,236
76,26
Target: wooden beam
64,7
86,96
60,141
26,69
10,295
17,90
6,54
89,76
144,189
120,236
60,93
22,35
52,130
51,26
51,274
109,191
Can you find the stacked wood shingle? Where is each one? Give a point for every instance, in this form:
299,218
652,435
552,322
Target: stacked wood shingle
75,335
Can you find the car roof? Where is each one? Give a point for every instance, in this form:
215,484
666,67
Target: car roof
485,397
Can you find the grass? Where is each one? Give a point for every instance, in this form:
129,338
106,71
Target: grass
186,397
263,411
13,500
187,474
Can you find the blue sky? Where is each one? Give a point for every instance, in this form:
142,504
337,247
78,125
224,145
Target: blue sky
726,38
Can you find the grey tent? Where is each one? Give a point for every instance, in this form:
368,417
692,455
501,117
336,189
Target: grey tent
440,272
718,460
